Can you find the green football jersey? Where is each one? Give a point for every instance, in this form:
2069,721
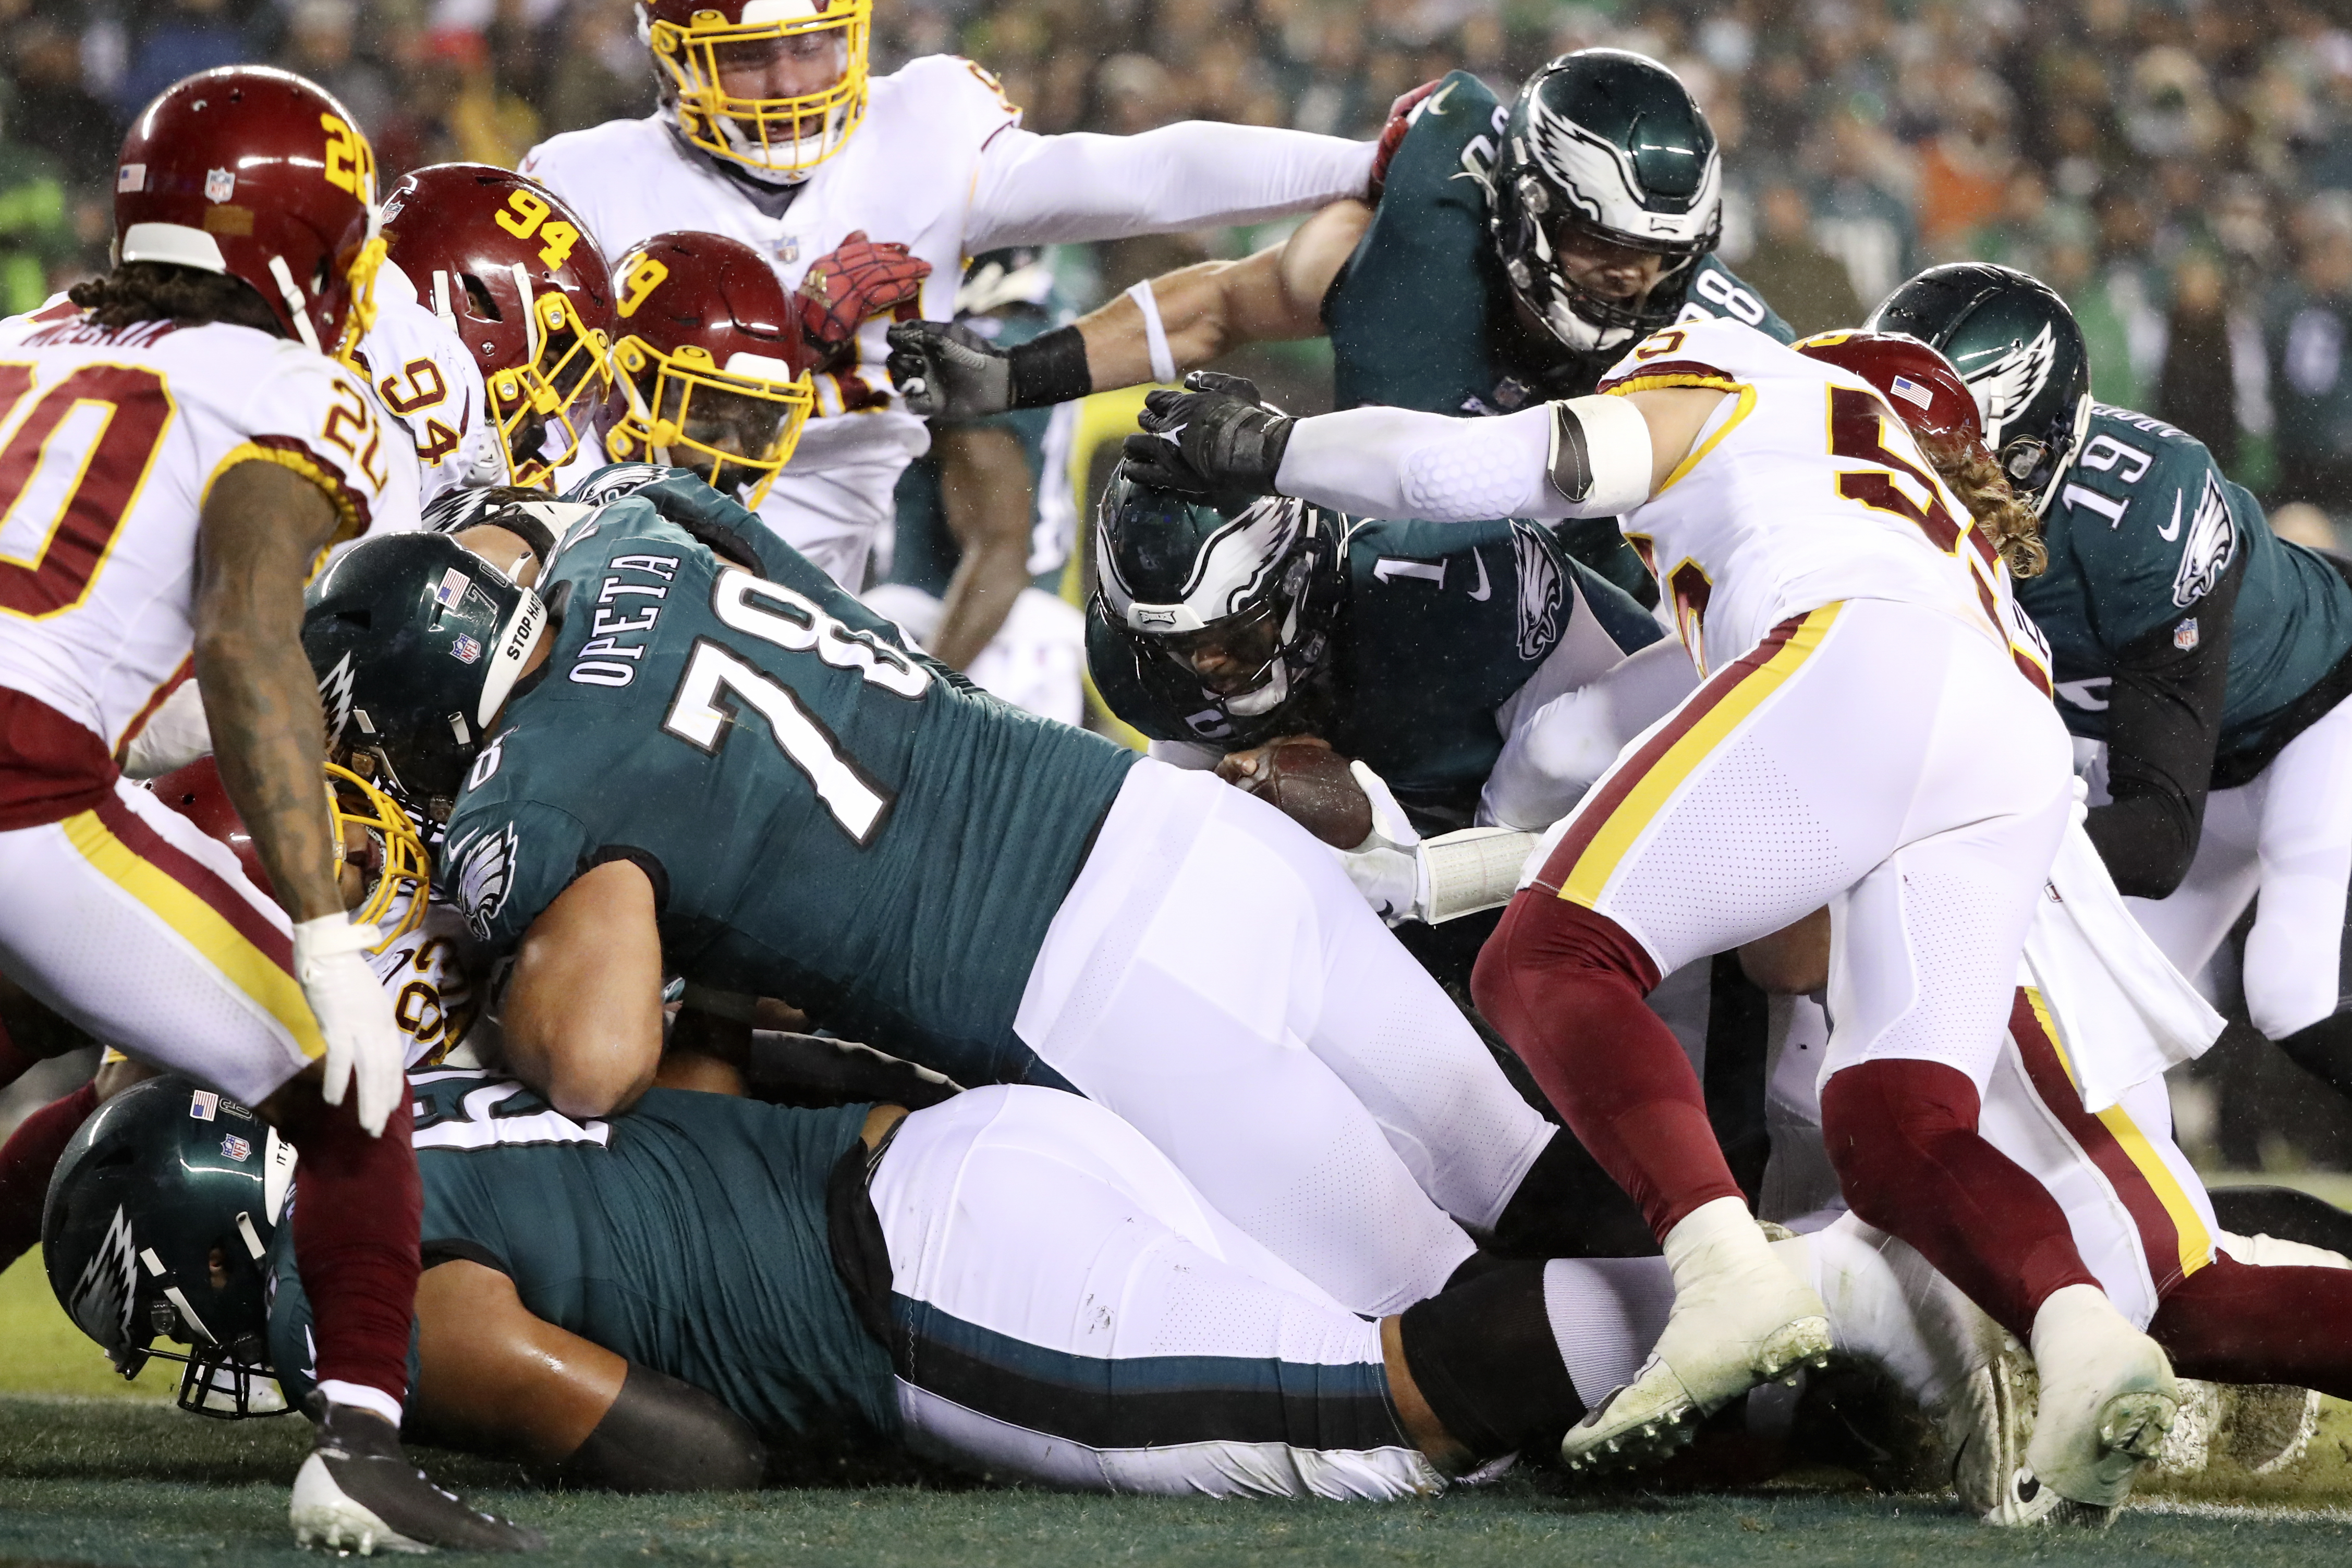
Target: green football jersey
2142,528
826,817
688,1235
1421,316
1441,623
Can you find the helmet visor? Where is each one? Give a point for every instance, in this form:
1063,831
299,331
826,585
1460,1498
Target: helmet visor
544,407
778,95
1231,657
735,431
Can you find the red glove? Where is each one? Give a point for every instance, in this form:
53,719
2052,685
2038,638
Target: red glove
854,284
1392,134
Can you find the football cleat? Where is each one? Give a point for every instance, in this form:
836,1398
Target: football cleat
357,1492
1740,1318
2108,1398
1987,1423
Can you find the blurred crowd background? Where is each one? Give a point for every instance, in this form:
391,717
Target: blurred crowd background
2180,169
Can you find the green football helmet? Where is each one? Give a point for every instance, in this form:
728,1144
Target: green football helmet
1226,614
158,1223
416,643
1606,144
2018,346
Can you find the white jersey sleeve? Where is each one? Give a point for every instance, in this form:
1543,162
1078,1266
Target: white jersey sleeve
1045,190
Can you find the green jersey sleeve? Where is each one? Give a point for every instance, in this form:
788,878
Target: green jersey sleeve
1716,291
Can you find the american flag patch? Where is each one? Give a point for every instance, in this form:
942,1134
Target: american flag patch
453,587
1911,392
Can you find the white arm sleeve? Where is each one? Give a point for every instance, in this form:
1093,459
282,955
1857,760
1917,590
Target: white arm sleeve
1395,463
1549,761
1050,190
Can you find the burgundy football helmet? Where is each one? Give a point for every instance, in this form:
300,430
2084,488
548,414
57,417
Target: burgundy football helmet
258,174
519,278
378,840
1916,381
711,368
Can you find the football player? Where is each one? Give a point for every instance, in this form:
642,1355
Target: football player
2202,661
697,1291
1871,731
772,132
737,774
214,451
1510,254
491,266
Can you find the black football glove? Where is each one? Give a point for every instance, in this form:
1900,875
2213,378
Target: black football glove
946,371
1215,439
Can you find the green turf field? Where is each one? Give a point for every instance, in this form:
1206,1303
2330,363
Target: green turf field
96,1471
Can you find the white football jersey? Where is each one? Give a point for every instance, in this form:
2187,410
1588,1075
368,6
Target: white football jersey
429,972
425,379
108,440
907,176
1802,489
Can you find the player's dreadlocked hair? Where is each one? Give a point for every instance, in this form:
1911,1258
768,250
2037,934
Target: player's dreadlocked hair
158,291
1977,479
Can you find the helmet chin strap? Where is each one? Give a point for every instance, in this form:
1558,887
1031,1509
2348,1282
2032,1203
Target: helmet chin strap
296,305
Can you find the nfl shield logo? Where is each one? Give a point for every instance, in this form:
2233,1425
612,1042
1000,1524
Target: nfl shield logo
2184,636
466,649
235,1148
220,184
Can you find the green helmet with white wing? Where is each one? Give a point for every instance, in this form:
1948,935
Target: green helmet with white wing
158,1225
2018,346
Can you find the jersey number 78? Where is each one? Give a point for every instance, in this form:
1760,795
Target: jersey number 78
699,709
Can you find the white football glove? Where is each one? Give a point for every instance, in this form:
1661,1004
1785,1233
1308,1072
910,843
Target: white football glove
355,1018
1386,867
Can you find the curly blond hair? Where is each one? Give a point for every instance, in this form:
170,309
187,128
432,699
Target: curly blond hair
2009,523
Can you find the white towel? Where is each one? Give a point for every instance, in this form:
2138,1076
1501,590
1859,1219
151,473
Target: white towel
2124,1013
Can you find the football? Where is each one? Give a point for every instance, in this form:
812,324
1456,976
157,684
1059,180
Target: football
1311,785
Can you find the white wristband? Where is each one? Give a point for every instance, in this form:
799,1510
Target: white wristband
1155,335
1475,868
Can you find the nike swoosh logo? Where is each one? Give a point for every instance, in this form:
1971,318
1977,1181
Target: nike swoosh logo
1482,591
2172,533
1437,99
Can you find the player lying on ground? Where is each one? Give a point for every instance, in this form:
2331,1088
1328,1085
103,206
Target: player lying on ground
703,1289
226,452
1872,730
738,774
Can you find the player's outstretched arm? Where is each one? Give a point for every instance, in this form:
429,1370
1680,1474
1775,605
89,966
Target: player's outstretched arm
495,1377
1048,190
582,1012
1153,333
1586,457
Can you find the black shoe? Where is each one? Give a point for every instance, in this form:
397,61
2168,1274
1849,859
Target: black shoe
357,1492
